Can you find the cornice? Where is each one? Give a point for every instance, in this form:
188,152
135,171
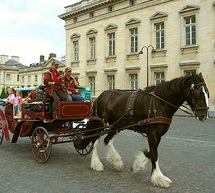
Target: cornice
92,31
111,27
189,8
79,9
133,21
115,13
158,15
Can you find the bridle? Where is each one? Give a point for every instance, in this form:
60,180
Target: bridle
192,89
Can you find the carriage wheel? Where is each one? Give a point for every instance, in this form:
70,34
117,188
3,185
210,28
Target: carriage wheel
1,133
41,144
86,150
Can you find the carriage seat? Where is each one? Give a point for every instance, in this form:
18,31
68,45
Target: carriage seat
18,117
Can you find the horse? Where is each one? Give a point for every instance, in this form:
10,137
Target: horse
149,112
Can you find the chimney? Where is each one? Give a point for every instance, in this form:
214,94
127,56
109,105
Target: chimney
52,55
42,58
4,58
16,58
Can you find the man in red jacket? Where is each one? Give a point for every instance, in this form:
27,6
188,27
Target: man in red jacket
72,84
52,85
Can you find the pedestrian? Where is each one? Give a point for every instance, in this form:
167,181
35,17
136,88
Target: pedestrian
72,84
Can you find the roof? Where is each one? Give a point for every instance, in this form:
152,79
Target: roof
12,62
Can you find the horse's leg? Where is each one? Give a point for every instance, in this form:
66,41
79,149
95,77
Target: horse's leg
157,178
141,161
112,155
96,164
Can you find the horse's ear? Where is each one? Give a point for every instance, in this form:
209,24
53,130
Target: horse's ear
200,75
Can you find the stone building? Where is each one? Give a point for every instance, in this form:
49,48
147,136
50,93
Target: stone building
14,74
104,38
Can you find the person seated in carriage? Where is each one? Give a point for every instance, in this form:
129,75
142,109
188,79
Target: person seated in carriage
12,99
30,98
53,87
71,84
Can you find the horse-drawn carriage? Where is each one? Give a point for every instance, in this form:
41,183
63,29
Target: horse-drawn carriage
148,112
64,127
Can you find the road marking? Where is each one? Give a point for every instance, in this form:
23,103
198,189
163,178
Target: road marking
192,140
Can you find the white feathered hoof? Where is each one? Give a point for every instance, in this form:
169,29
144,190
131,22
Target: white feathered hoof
161,181
96,165
158,179
140,162
118,164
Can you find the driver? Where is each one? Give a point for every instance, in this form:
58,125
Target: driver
53,86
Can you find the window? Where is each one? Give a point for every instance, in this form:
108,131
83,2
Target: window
190,28
76,50
75,19
159,34
91,14
189,72
111,44
111,82
29,79
92,48
159,78
23,79
35,78
7,77
110,8
133,81
92,84
132,2
17,77
134,40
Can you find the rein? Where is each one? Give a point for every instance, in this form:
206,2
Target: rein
130,112
154,95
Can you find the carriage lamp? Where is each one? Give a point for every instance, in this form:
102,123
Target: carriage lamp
147,59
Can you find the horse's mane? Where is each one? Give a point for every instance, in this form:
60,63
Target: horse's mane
178,85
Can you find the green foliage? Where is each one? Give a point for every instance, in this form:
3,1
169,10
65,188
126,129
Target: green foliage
3,94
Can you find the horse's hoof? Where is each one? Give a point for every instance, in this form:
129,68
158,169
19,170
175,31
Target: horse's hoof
162,181
118,165
97,167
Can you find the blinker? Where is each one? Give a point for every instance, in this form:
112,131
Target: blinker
192,86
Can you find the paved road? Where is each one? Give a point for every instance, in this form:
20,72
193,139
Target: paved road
187,157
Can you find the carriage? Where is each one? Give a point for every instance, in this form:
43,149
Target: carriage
64,127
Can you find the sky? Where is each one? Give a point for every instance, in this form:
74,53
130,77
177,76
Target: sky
30,28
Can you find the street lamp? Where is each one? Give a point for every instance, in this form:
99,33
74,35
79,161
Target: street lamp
147,58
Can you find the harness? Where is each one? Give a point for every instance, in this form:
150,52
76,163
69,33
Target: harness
129,112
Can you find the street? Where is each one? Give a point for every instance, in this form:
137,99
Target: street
186,156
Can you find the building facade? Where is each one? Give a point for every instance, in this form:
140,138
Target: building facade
104,38
15,75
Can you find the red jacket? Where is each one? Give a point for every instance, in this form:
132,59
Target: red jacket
49,77
69,83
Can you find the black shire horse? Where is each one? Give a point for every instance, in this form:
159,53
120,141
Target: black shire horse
149,112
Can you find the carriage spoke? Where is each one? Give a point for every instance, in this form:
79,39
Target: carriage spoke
41,145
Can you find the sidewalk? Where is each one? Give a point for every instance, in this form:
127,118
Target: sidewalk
211,112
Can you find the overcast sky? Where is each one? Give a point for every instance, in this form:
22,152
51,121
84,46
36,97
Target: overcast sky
30,28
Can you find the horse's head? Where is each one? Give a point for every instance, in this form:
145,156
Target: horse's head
197,97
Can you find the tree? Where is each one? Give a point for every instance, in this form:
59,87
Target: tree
3,94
